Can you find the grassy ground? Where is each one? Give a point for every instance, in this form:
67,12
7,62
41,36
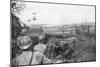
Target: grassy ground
82,49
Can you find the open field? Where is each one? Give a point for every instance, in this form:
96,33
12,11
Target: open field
67,43
66,47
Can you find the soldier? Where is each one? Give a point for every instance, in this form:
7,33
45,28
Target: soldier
29,57
40,47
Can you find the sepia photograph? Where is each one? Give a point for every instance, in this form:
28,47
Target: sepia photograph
44,33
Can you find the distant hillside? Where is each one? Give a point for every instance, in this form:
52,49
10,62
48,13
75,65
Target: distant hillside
66,27
62,27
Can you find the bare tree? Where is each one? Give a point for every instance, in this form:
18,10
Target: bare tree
17,6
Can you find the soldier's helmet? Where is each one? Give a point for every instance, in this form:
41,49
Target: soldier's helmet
41,37
24,42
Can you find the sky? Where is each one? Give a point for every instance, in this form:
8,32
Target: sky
56,14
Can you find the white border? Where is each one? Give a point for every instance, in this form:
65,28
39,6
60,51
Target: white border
5,33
